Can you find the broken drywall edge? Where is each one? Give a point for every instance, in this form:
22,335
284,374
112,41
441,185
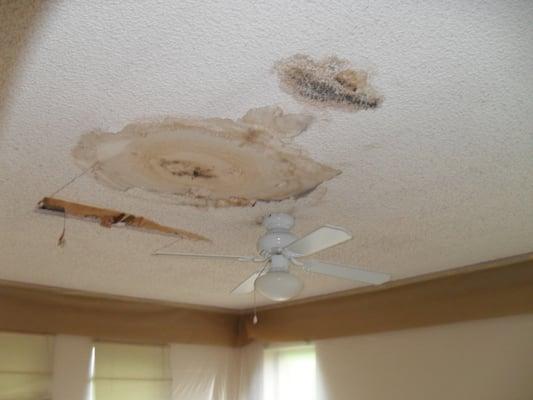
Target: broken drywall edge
108,218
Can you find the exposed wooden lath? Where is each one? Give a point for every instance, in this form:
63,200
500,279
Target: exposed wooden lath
109,218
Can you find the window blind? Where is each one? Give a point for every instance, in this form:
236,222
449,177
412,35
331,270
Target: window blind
131,372
25,366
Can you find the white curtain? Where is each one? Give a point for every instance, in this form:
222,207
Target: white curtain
251,372
72,360
25,366
204,372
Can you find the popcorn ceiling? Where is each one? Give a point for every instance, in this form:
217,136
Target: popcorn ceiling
438,177
331,82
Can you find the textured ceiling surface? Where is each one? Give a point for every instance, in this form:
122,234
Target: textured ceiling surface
439,176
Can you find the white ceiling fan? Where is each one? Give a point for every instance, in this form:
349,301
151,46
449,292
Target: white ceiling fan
279,248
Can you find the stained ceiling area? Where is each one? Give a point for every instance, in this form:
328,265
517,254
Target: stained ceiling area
409,124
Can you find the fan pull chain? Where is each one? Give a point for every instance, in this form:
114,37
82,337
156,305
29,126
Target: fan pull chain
255,320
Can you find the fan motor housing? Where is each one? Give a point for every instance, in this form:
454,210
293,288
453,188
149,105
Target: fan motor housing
278,235
276,221
273,242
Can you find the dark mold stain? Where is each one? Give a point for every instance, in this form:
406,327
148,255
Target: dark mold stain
187,168
330,82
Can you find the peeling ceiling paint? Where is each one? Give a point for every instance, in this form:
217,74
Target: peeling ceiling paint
207,162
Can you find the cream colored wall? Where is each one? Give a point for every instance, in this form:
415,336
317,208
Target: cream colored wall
487,359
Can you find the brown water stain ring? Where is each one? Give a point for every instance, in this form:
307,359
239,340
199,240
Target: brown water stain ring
208,162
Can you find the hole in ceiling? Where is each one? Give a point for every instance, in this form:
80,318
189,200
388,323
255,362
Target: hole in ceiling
331,82
208,162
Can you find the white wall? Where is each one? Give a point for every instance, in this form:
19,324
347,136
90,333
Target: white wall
488,359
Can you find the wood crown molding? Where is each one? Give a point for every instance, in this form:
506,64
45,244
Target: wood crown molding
493,289
56,311
488,290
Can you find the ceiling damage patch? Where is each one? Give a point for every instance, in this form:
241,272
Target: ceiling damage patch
331,82
108,218
208,162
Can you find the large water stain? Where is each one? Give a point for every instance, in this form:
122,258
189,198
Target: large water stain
331,82
208,162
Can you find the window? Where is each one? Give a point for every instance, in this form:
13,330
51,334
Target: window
290,373
25,366
130,372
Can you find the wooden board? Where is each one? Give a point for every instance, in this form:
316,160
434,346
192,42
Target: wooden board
108,218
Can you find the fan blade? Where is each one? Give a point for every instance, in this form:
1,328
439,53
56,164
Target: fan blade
324,237
222,256
248,285
352,273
